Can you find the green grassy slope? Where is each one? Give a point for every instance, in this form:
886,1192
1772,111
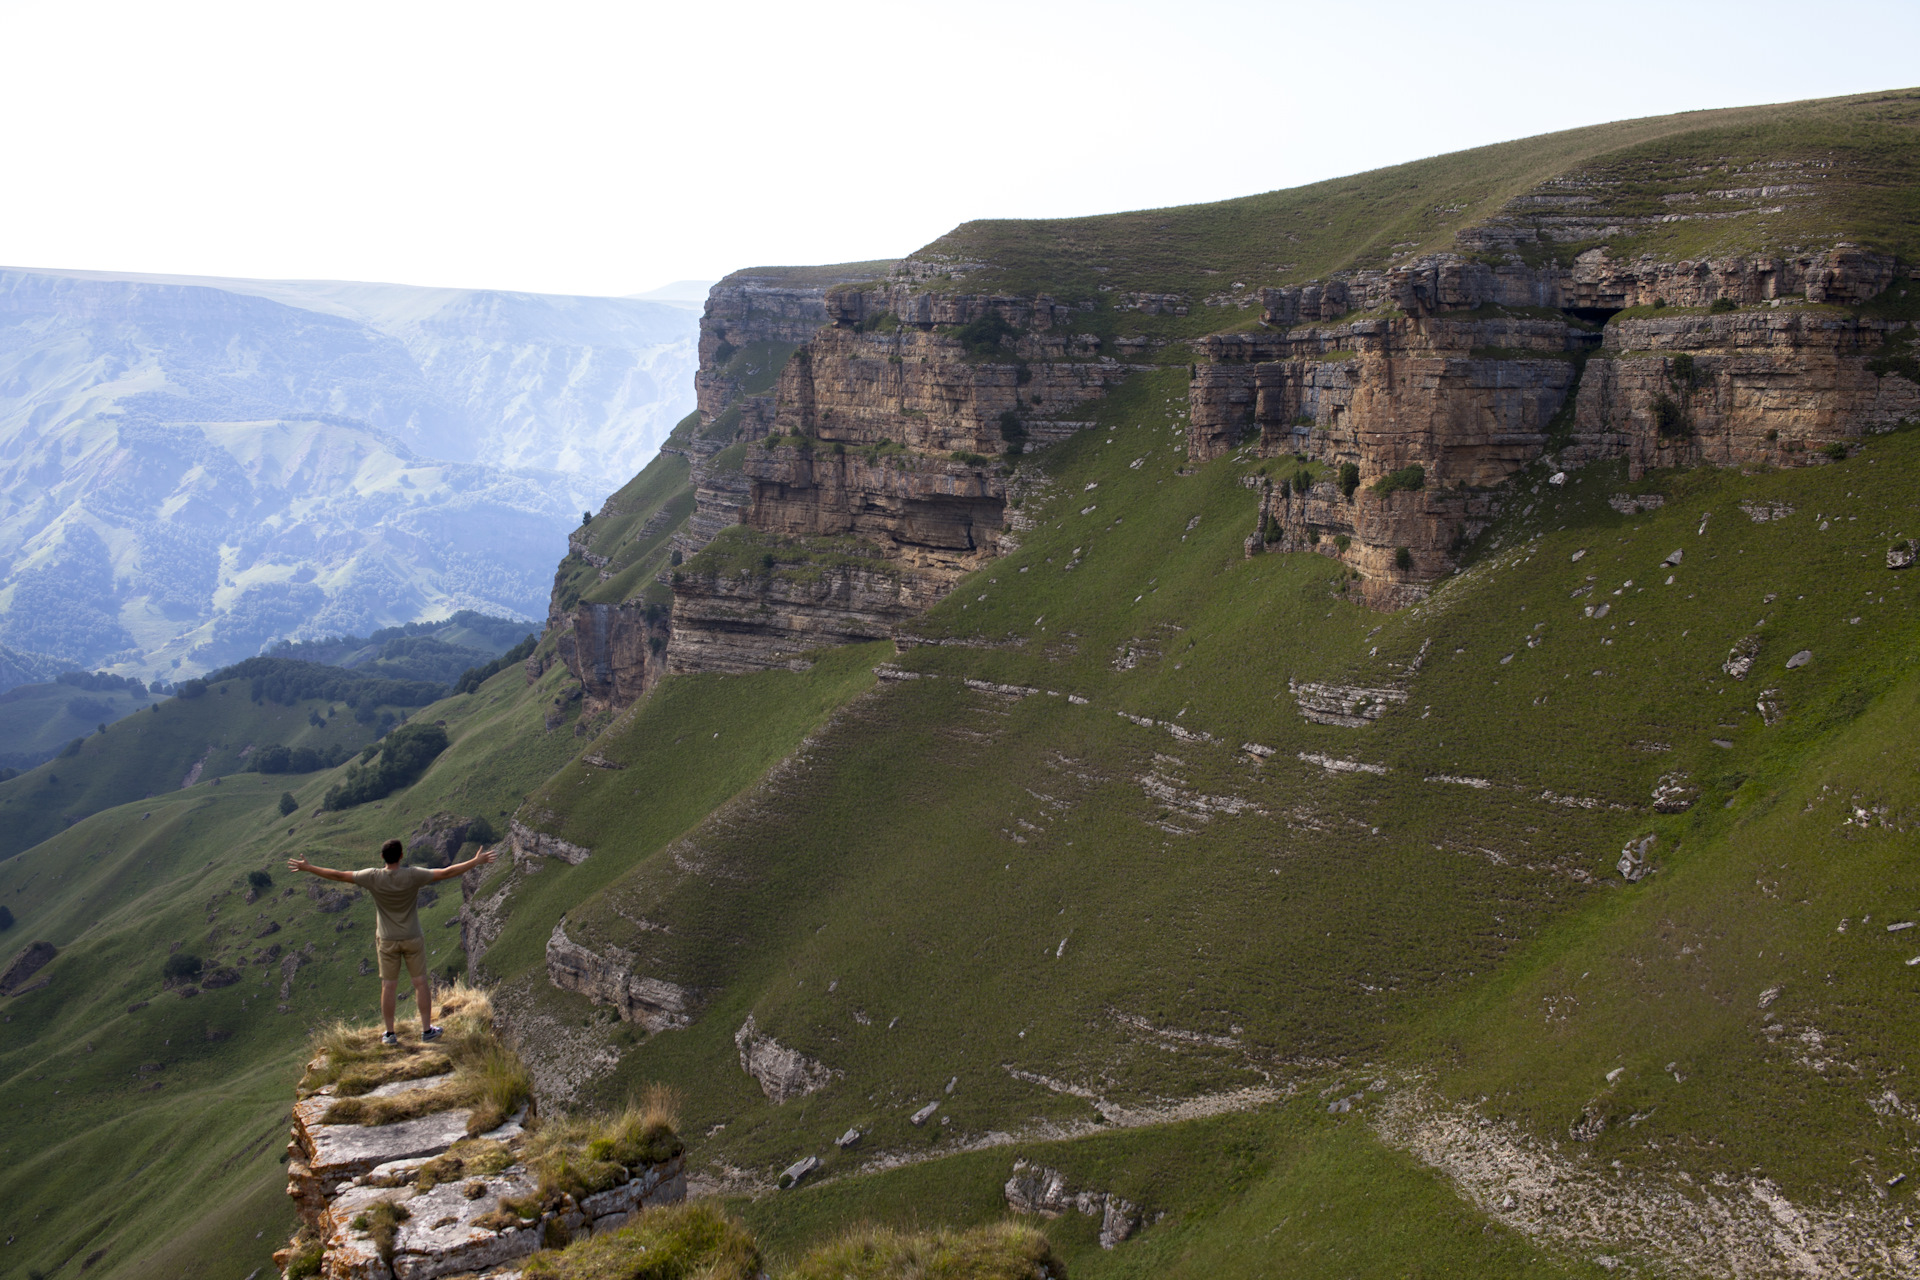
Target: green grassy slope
151,1125
1861,150
39,719
632,532
1116,905
151,752
953,885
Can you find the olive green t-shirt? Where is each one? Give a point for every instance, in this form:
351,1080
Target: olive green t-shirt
393,890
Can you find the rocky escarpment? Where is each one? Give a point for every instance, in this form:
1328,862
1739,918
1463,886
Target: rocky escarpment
1418,412
608,978
1768,387
891,437
1466,401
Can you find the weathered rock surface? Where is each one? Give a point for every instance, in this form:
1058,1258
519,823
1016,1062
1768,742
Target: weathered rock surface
1469,398
1755,388
528,843
28,961
437,840
904,428
615,651
1349,706
781,1072
756,622
610,979
1038,1189
456,1227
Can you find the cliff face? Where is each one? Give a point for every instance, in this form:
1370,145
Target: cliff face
880,478
1759,388
1472,397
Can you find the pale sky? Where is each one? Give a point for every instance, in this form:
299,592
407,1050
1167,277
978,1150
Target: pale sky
611,148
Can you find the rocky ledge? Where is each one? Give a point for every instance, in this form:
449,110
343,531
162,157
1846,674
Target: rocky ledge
399,1171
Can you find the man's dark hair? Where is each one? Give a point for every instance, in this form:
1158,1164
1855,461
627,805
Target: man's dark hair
391,851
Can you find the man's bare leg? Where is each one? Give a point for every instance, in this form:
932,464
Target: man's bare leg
423,997
389,997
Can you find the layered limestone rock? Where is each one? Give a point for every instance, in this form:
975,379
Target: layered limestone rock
891,433
1593,281
527,844
610,979
616,651
1470,398
479,1214
1035,1188
737,623
780,1072
1746,388
1468,401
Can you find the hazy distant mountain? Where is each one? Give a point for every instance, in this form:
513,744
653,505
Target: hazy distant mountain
192,469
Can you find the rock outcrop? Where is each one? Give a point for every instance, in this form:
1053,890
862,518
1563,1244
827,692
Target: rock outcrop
610,979
1470,399
528,844
1035,1188
781,1072
436,842
1769,387
616,651
32,958
456,1224
888,433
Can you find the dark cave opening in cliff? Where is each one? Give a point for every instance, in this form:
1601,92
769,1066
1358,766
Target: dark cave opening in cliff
1592,315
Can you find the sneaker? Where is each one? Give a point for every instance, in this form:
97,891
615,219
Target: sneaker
431,1033
389,1039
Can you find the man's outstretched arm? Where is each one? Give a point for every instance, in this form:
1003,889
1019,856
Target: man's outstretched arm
325,873
479,859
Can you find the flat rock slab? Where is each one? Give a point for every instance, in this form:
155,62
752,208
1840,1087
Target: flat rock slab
440,1239
341,1151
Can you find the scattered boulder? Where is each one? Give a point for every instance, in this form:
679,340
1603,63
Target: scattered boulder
1633,865
1800,659
1673,559
791,1175
1740,658
1674,793
782,1073
221,977
30,960
848,1140
923,1115
1901,555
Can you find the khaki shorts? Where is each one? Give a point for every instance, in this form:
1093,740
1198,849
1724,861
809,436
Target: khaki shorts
393,950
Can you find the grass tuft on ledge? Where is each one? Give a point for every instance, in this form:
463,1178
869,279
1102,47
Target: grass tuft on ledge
482,1073
997,1251
672,1242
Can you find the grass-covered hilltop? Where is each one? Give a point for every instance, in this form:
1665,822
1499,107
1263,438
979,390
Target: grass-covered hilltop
1360,731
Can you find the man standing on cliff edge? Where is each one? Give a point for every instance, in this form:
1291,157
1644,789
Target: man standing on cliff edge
398,936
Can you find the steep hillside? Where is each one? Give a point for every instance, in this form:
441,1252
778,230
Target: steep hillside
185,1087
198,738
1407,775
37,720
